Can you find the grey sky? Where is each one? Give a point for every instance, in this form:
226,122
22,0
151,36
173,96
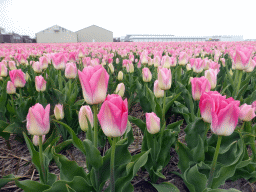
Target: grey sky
181,18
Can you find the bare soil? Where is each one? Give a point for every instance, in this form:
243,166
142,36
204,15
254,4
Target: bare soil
17,161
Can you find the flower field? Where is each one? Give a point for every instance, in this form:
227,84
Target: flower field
51,93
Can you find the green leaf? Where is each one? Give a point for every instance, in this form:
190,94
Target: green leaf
68,169
221,190
193,130
144,102
31,186
78,184
76,141
193,177
198,151
183,110
124,182
6,179
185,156
93,156
170,100
138,122
166,187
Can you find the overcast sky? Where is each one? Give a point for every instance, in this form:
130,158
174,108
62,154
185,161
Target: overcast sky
178,17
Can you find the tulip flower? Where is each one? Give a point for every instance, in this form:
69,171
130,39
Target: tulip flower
198,65
251,66
157,91
71,71
111,67
84,114
3,70
94,82
223,62
166,62
164,78
36,140
117,61
37,67
120,76
144,58
58,111
17,77
157,61
208,102
120,89
38,120
183,58
241,58
44,61
211,75
247,112
10,88
225,116
199,86
131,68
153,123
12,65
40,83
146,74
113,116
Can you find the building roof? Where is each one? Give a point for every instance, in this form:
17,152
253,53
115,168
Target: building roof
96,26
53,26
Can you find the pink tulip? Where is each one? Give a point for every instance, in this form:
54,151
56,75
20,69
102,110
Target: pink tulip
251,66
225,116
164,78
241,58
223,62
153,123
183,58
59,61
144,58
44,61
113,116
12,65
10,88
37,67
157,91
247,112
71,71
199,86
211,75
157,61
94,82
17,77
58,111
3,70
84,113
207,103
38,120
120,89
166,62
40,83
146,74
36,140
198,66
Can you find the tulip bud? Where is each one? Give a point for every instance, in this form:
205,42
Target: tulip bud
211,75
27,76
153,123
146,74
188,67
12,65
84,114
40,83
58,111
17,77
131,68
71,71
38,120
117,60
157,91
120,89
3,70
199,86
164,78
111,67
223,62
10,89
36,140
247,112
37,67
120,76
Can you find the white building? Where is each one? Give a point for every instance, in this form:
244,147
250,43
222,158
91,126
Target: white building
56,34
94,33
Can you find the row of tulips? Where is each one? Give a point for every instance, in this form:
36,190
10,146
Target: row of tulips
133,76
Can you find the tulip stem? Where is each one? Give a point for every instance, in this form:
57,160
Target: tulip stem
41,158
240,74
214,162
95,123
163,115
206,130
251,131
112,165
